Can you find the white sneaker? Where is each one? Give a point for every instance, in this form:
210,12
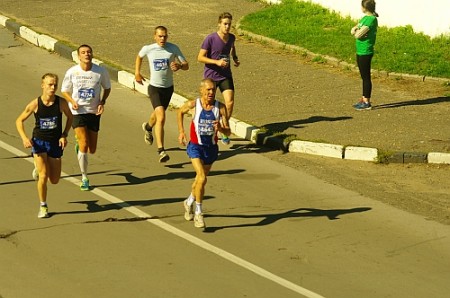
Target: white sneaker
198,221
163,156
35,174
148,136
188,211
43,212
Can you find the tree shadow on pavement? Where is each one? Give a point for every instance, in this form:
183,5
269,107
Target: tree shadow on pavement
268,219
416,102
282,126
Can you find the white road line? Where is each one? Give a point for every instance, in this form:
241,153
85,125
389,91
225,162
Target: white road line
194,240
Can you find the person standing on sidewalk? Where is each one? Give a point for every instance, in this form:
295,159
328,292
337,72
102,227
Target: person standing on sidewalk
164,58
209,118
82,87
365,33
216,50
49,139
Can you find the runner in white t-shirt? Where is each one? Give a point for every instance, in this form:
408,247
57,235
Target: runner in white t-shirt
164,58
82,87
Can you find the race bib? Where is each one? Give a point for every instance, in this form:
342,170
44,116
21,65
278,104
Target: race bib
85,95
206,127
48,123
160,64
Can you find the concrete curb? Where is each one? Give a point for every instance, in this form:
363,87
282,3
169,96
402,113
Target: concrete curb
239,128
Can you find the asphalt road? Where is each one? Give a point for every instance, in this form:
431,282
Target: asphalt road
272,231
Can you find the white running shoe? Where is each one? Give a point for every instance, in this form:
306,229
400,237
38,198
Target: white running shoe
43,212
199,221
148,136
163,156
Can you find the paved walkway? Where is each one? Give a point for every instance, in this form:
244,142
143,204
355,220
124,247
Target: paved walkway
275,89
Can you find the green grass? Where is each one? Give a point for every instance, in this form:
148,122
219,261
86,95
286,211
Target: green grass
324,32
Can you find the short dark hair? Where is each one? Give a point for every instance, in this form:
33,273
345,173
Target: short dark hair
225,15
84,46
50,75
162,28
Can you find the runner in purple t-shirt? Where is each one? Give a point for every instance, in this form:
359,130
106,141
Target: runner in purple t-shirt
215,52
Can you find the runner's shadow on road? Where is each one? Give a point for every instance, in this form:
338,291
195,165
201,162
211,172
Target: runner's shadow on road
134,180
92,206
416,102
267,219
282,126
241,148
62,177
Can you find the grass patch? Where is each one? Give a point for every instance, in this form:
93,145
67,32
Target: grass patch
319,59
384,156
324,32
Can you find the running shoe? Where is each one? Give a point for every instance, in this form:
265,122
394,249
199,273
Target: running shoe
163,156
35,174
198,221
43,212
148,136
85,185
225,140
363,106
360,101
188,211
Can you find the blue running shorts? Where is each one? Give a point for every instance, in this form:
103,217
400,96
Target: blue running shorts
207,153
51,148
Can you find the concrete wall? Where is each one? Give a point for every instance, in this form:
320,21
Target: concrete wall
429,17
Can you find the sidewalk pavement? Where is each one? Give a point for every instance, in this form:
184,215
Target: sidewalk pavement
238,127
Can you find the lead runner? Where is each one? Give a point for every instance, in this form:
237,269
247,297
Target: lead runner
210,117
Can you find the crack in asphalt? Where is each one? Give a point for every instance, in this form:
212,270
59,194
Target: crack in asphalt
8,234
114,219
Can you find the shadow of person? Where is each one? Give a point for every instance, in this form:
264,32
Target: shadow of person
282,126
267,219
416,102
134,180
93,206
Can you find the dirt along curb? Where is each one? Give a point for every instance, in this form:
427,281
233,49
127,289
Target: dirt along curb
240,128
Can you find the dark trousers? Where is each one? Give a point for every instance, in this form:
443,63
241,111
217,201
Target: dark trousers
364,62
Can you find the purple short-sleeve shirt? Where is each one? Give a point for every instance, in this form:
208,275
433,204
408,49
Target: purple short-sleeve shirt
217,49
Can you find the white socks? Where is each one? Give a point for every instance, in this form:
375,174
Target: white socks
83,162
198,208
190,200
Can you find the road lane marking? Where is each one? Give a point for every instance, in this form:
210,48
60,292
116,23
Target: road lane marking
177,232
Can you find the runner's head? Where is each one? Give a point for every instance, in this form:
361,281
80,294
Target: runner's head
49,84
208,89
225,20
85,53
160,35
